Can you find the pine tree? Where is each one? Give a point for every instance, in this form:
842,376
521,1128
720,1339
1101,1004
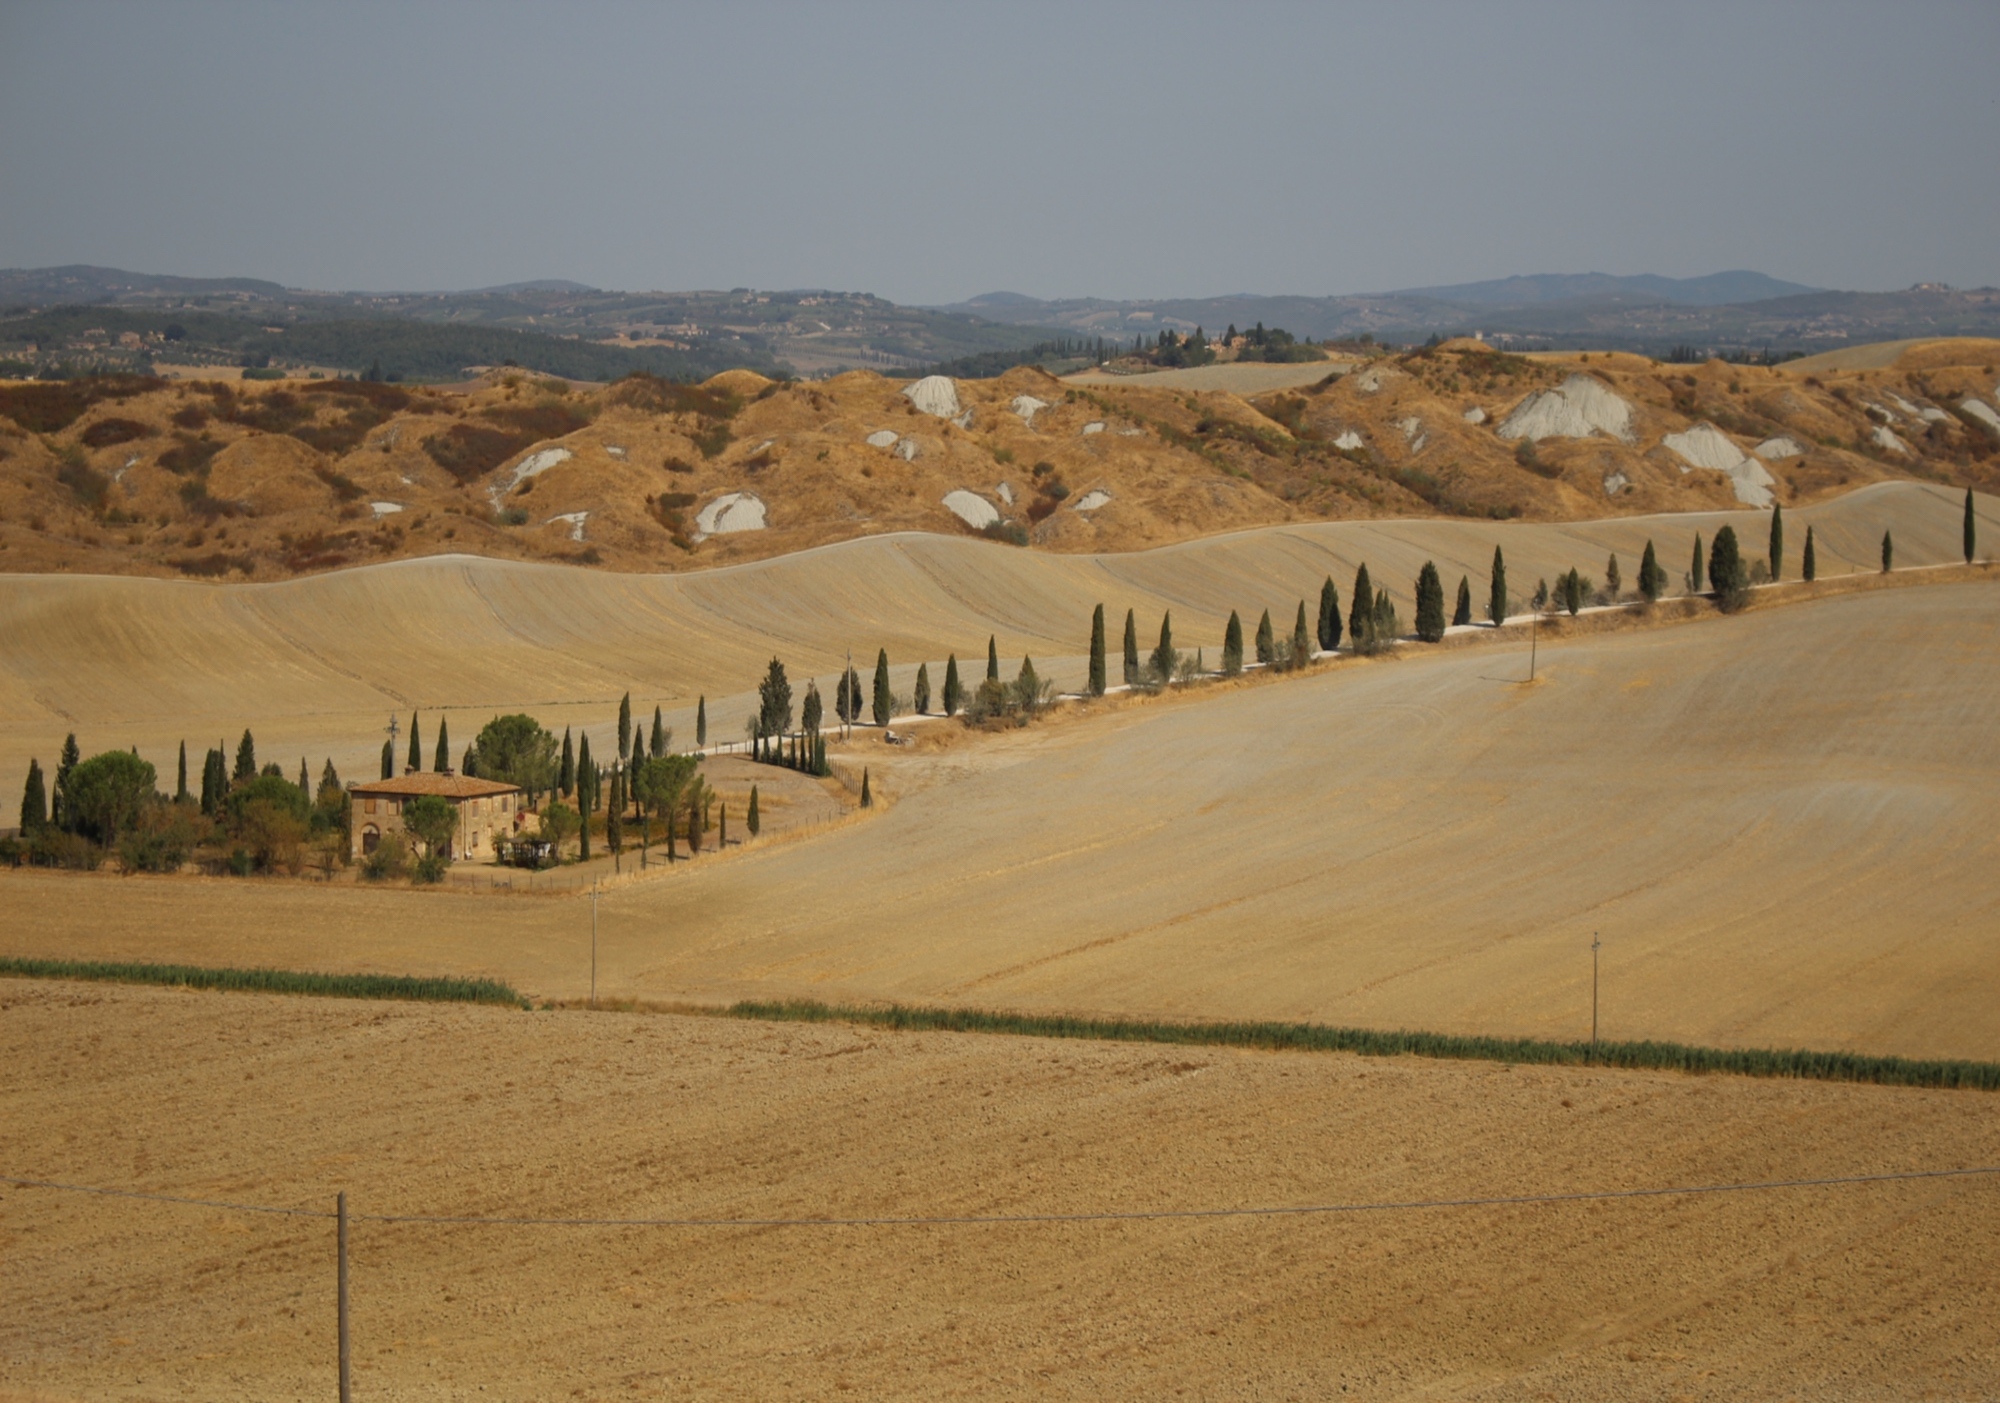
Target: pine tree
701,722
625,727
246,759
416,745
883,703
954,691
181,781
1266,641
1461,613
1097,652
1131,649
1652,579
1809,561
1361,613
1164,658
566,775
1496,590
1888,553
992,660
867,799
1232,646
34,801
1329,616
1726,571
658,745
1777,555
751,820
1697,572
1430,604
1971,528
1614,578
1302,639
388,759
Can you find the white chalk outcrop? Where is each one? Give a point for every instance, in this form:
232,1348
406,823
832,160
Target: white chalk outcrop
971,508
1413,433
1027,406
732,511
882,438
575,520
1885,438
1705,446
1369,382
1616,482
906,449
1783,446
1983,412
534,465
1092,500
1349,441
616,450
1006,491
1474,415
936,395
383,509
1578,408
1095,426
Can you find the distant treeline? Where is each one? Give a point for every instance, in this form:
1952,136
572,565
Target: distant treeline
1094,350
407,350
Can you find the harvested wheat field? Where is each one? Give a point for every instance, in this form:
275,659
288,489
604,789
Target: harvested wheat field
1782,824
1876,1290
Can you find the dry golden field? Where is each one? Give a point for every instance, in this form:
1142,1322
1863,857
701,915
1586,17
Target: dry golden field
1862,1291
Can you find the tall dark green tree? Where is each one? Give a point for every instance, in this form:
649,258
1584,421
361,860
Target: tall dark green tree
1971,528
954,690
1164,657
1777,548
922,696
625,727
1266,640
774,701
1571,588
701,722
1461,613
1614,578
1097,652
1652,579
992,660
1131,649
812,711
1697,571
566,776
1809,559
1329,616
442,762
305,780
884,706
1727,572
658,744
614,811
1232,646
753,820
59,807
1888,553
468,761
246,759
416,761
215,780
1361,612
34,801
1302,639
867,799
1496,590
1430,603
181,777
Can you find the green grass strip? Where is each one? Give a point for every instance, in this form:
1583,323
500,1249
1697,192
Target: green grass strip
1319,1037
271,981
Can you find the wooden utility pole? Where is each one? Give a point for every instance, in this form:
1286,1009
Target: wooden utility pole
1594,943
346,1373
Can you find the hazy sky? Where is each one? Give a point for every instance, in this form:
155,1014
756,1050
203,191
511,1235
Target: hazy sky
929,152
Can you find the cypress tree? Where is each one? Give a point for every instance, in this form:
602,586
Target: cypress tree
1614,578
701,722
1571,586
812,711
1461,613
34,801
614,813
954,692
1164,656
1430,603
1232,646
992,660
1971,528
59,805
1651,577
867,799
1302,639
468,763
625,727
416,745
1697,572
1888,553
1361,613
1384,626
566,776
305,780
1777,557
1496,590
883,703
659,740
1266,642
181,781
215,781
752,821
388,759
1097,652
246,759
1131,649
1809,561
1329,616
1726,570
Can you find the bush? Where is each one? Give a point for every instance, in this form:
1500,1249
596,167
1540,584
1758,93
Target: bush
390,859
429,868
160,840
107,433
51,847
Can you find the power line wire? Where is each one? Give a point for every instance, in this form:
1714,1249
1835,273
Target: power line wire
1003,1219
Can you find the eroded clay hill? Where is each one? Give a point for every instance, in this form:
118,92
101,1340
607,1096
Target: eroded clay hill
247,481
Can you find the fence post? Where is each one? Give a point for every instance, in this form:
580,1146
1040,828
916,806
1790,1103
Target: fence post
346,1377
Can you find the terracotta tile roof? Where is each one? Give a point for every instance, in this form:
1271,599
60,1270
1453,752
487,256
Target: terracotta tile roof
430,782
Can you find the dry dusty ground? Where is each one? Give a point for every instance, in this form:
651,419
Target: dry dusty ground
1883,1291
1783,824
316,666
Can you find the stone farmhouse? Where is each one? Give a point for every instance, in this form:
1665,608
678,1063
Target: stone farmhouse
488,811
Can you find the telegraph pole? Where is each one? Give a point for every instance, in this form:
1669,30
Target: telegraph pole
346,1374
1594,943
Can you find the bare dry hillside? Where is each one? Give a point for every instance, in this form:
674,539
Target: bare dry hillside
247,482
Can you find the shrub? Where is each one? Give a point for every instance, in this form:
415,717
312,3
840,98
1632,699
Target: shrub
390,859
107,433
1012,532
160,839
50,846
